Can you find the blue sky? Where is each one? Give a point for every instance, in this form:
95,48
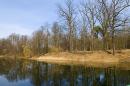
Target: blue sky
25,16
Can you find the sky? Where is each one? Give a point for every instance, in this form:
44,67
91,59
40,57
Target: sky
25,16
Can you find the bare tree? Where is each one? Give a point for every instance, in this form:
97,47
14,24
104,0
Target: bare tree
110,18
103,19
68,14
83,32
14,39
116,20
56,34
38,41
88,9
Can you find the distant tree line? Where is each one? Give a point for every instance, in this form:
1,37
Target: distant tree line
92,25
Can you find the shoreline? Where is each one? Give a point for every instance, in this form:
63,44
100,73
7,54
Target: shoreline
96,59
88,58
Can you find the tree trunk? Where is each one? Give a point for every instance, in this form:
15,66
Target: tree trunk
113,42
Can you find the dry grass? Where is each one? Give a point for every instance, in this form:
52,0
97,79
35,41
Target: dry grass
87,57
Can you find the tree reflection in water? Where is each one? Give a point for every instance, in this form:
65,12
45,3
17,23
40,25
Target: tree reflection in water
43,74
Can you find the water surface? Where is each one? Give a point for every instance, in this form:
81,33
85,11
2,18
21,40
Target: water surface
33,73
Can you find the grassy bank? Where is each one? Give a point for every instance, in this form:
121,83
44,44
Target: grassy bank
86,58
95,58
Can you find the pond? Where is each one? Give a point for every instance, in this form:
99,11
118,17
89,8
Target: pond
33,73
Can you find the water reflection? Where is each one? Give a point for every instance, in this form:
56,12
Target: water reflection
28,73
